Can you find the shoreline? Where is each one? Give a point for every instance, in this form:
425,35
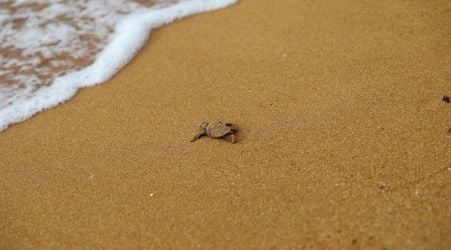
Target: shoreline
343,138
132,32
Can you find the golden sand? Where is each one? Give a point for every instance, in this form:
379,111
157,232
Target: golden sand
343,144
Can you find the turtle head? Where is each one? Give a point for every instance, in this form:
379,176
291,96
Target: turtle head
203,125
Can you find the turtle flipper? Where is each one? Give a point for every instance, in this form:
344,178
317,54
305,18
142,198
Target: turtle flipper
230,138
199,135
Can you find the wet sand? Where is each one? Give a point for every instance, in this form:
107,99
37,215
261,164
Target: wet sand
344,139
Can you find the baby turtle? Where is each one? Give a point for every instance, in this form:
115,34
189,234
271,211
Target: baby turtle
218,130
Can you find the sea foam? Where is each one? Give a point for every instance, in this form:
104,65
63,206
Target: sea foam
51,48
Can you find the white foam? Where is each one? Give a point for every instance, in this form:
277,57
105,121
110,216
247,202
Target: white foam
29,96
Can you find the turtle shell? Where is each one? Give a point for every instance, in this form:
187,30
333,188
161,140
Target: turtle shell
218,129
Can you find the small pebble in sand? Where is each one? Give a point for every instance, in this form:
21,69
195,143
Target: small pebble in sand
445,98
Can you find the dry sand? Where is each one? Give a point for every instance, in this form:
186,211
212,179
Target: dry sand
344,138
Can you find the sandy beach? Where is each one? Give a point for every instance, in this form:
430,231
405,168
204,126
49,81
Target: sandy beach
343,140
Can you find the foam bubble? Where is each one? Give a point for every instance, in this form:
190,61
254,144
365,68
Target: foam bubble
53,48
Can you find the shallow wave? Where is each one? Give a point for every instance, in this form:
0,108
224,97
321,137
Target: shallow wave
50,49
